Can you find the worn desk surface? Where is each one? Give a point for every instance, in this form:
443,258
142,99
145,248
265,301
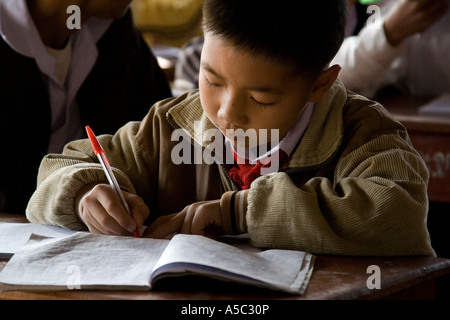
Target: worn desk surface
333,277
430,135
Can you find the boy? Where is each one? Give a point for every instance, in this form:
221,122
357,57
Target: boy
346,179
54,80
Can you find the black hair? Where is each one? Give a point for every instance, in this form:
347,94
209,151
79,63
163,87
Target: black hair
305,33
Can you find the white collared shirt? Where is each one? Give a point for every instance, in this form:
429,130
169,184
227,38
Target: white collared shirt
18,30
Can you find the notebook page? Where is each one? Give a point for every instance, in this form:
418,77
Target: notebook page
284,270
14,235
84,261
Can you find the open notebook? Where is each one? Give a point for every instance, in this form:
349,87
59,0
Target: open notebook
88,261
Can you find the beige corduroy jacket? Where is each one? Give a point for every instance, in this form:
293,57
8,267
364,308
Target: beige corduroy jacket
354,185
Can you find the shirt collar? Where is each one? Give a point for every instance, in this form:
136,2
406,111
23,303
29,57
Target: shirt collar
289,142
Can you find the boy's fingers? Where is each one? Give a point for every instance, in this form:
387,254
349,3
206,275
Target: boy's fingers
96,225
90,222
113,208
165,229
207,219
185,228
159,221
104,212
165,226
108,225
139,210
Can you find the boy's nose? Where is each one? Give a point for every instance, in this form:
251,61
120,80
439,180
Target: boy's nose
232,111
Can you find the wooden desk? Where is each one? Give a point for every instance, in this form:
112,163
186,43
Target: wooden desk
430,135
334,277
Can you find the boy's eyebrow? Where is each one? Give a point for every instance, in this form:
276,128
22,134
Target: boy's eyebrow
210,69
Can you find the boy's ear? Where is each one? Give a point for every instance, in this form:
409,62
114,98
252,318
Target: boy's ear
324,82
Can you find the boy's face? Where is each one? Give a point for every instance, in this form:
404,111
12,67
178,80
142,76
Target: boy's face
243,91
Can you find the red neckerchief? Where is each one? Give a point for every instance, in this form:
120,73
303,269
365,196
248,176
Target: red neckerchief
244,174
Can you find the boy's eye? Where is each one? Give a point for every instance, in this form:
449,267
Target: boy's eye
264,104
212,84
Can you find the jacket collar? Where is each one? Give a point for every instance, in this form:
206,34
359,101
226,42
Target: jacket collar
320,141
324,134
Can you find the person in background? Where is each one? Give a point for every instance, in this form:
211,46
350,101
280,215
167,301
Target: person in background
188,65
327,171
407,47
55,80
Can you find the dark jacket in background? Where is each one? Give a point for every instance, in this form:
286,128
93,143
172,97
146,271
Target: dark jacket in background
124,83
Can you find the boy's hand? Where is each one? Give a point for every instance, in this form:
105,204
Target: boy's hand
408,17
202,218
102,212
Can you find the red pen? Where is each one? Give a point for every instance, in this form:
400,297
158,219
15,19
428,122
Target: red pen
100,153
